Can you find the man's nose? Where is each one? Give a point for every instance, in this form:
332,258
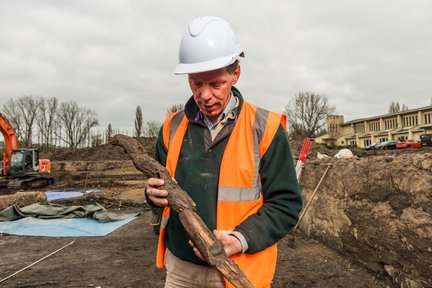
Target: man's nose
206,93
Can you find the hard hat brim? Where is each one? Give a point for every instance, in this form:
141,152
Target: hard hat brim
221,62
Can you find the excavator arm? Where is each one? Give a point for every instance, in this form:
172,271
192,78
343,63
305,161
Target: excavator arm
10,139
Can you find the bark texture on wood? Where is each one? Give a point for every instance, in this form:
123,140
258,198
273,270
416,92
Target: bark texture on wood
211,248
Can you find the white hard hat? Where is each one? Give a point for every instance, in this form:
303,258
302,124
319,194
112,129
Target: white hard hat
208,44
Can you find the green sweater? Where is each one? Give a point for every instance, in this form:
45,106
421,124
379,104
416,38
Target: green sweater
197,173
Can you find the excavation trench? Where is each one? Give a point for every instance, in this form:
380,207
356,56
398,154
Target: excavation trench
377,211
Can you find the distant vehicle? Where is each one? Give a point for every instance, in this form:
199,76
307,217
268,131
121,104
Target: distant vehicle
371,146
386,145
426,139
408,144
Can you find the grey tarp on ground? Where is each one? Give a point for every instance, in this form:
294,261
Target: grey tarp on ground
55,211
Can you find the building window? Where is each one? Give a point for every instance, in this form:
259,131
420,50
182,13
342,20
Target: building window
409,121
427,118
390,124
367,142
333,128
374,126
359,128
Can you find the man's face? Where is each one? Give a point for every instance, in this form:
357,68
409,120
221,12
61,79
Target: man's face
211,90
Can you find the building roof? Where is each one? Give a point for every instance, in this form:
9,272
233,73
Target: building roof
388,115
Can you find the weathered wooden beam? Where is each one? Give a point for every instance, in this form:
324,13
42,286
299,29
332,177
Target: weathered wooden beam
211,248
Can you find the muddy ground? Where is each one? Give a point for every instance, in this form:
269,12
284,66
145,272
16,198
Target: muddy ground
126,257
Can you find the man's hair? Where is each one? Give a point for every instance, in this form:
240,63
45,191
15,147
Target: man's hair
232,67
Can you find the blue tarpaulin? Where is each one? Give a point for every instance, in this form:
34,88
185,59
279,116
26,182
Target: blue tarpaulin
54,195
76,227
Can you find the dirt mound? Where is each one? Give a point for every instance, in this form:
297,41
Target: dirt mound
100,153
376,210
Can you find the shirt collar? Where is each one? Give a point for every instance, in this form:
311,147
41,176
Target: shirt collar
231,105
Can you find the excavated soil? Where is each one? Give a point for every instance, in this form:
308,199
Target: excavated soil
126,257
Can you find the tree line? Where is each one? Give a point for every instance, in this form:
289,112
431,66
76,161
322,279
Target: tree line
55,123
395,107
51,123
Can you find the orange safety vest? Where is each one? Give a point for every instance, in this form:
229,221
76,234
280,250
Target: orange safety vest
239,191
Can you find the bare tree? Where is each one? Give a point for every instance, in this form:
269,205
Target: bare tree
109,132
138,122
22,114
152,128
95,139
395,107
307,113
29,107
12,113
175,108
46,116
77,122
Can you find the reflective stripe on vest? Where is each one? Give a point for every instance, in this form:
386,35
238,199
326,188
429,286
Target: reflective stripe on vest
175,123
244,193
239,191
170,126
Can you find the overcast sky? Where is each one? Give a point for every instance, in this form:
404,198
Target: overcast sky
111,56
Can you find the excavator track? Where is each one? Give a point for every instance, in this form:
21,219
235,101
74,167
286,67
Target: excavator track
30,182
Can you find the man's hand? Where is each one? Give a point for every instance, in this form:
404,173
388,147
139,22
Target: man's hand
231,244
157,196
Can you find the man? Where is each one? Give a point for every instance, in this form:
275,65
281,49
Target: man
232,158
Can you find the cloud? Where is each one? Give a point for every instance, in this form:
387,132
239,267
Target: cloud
111,56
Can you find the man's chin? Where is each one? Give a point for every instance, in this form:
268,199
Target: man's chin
211,113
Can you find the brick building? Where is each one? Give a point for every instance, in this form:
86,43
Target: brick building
409,124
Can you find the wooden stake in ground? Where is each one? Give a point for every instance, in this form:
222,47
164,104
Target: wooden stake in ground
291,238
28,266
211,248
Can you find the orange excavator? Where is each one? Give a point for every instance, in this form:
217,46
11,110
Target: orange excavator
21,167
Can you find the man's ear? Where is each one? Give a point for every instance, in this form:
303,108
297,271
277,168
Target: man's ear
236,75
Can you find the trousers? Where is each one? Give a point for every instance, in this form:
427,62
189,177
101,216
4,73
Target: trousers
183,274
